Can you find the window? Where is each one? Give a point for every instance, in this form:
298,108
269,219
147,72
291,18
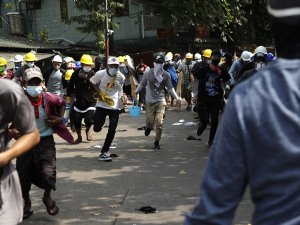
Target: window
64,10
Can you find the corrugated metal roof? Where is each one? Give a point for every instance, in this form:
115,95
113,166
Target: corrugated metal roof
25,43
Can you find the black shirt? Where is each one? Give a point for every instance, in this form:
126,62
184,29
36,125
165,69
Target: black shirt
83,89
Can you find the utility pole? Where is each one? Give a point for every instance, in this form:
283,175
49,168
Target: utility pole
106,32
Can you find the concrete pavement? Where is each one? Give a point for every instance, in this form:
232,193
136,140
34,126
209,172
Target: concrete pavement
108,193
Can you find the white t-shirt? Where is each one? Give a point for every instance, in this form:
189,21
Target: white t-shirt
102,79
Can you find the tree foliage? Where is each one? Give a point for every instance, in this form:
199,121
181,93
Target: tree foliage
93,17
236,21
233,21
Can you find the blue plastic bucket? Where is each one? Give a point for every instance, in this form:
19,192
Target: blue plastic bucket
134,111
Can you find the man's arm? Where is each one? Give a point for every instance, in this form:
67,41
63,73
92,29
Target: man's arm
22,145
143,83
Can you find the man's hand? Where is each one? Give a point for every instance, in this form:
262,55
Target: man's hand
178,102
53,121
14,133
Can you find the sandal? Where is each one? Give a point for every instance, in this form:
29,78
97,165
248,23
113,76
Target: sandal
51,210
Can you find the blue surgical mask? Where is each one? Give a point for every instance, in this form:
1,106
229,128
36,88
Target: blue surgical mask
34,91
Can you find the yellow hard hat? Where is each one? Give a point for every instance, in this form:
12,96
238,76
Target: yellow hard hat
189,55
86,59
3,61
68,74
207,53
121,59
30,57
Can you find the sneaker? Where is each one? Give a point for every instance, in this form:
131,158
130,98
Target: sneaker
104,157
156,145
147,131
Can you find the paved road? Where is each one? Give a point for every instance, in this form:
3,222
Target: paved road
108,193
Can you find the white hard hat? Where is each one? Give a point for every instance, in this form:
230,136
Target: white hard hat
68,59
113,60
57,58
197,56
246,56
168,58
260,50
18,58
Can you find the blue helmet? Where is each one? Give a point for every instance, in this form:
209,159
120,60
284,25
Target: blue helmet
270,57
78,64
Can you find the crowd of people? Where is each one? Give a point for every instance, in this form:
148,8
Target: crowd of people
91,93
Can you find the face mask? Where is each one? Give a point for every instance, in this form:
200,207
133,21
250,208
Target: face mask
113,71
208,61
30,65
215,62
87,69
18,65
2,69
34,91
260,65
158,69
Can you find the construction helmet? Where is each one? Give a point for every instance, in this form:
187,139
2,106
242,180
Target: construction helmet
30,57
3,61
270,57
189,55
18,58
170,54
78,64
68,59
168,58
260,50
246,56
207,53
57,58
86,59
68,74
197,56
177,55
121,59
113,60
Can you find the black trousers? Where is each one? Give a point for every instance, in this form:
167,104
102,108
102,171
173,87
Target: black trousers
99,120
206,110
87,116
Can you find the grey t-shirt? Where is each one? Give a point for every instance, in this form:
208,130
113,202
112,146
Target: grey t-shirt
14,108
55,84
155,91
